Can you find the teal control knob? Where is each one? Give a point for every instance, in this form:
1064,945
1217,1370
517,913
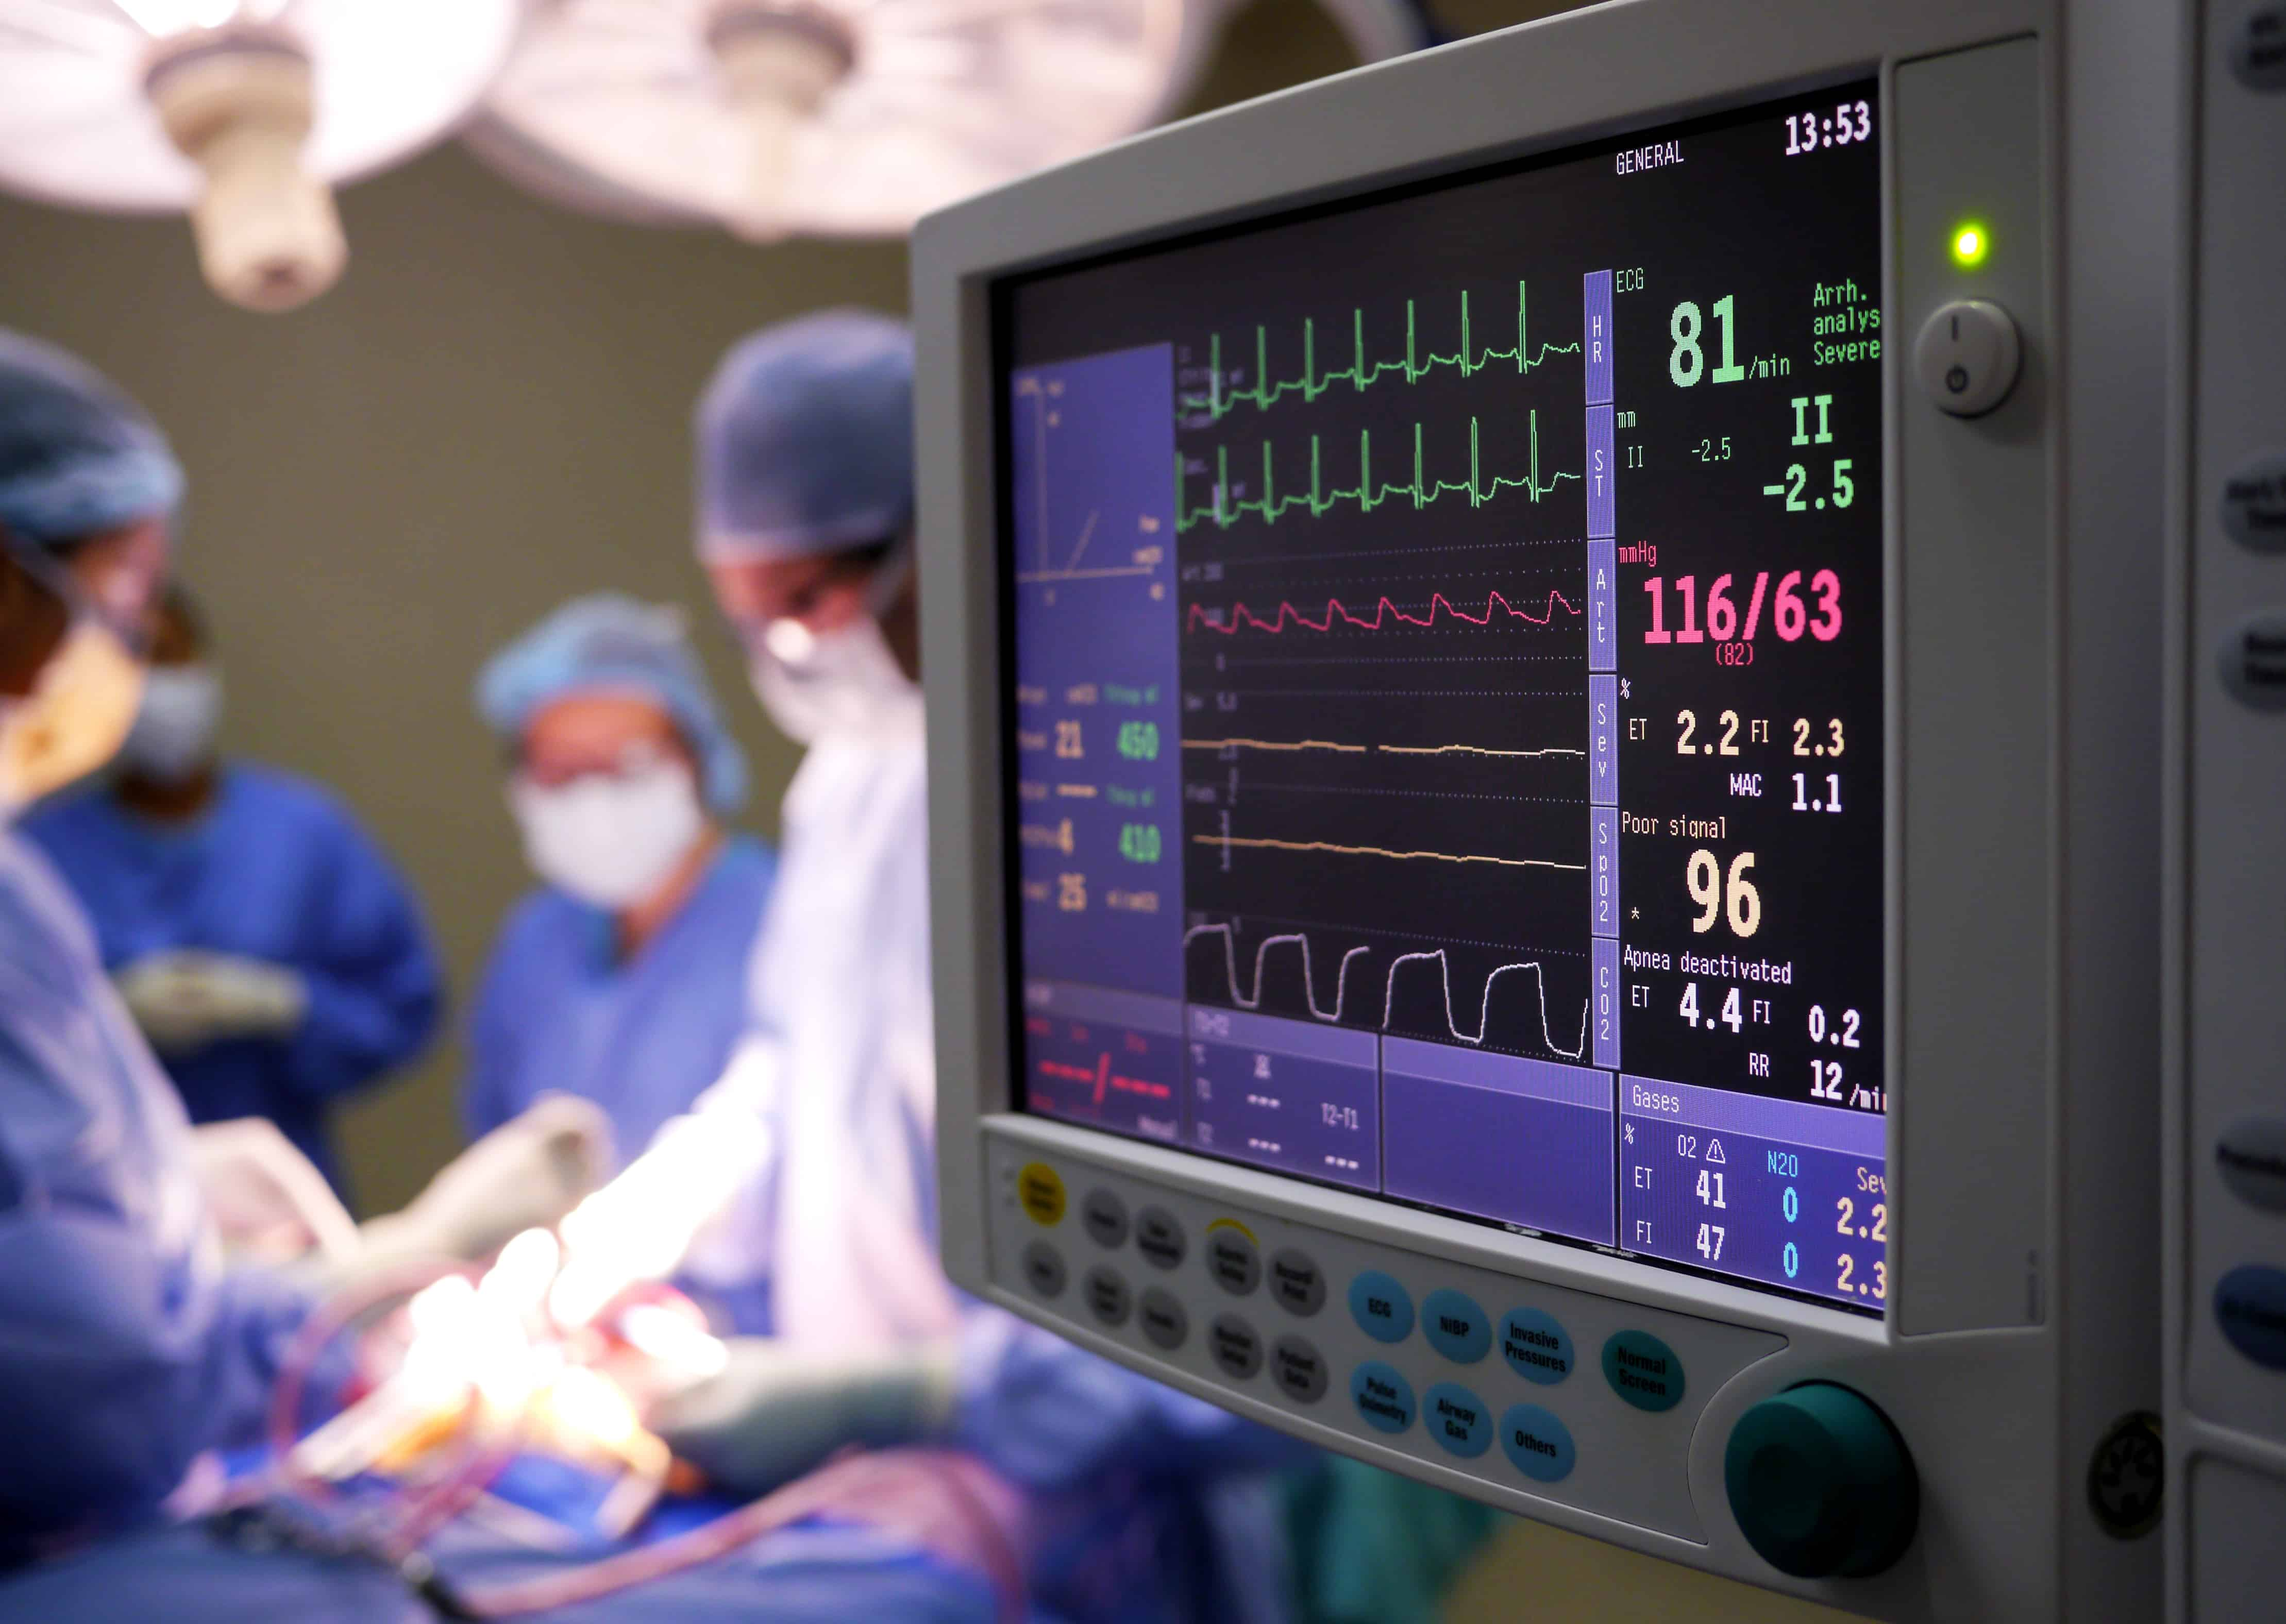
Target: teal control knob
1821,1483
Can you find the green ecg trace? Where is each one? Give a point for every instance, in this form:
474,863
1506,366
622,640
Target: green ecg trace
1223,511
1360,373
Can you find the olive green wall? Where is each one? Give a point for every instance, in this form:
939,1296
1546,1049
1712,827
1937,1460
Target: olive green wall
486,416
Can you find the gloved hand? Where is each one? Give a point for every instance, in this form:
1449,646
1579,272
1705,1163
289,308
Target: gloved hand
270,1204
188,998
772,1414
525,1174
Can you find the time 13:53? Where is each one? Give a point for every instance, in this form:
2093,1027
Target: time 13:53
1848,122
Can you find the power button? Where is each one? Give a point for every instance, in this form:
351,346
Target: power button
1968,356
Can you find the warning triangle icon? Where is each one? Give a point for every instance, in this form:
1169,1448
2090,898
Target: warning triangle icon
1714,1151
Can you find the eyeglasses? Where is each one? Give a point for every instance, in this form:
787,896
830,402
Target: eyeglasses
122,611
630,761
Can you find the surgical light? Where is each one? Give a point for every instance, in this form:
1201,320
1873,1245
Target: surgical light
243,113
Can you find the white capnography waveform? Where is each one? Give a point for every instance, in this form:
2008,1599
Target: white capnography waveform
1388,994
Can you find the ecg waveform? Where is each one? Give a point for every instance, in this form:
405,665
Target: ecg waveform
1201,618
1265,843
1225,508
1361,373
1389,993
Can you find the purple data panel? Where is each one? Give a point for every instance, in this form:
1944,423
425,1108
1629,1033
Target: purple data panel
1524,1141
1288,1094
1105,1058
1603,606
1602,467
1603,741
1778,1191
1604,1004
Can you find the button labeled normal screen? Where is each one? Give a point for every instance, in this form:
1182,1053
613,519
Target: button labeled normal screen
1445,712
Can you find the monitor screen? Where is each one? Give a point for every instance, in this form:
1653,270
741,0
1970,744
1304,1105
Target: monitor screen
1445,687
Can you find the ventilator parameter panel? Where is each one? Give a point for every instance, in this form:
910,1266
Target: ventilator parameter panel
1499,650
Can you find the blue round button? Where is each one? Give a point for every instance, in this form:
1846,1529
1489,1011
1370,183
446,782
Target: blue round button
1456,1327
1382,1309
1383,1396
1642,1370
2250,1305
1538,1444
1457,1419
1536,1346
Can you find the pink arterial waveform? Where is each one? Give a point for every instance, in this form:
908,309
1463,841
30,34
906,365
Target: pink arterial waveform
1384,612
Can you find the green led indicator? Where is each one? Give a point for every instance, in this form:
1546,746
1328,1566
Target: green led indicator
1970,243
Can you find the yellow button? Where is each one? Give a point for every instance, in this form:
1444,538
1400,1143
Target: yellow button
1041,1188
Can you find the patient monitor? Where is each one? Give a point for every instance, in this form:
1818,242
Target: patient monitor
1543,669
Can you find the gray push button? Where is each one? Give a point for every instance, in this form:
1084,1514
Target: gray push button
1044,1269
1108,1297
1968,356
1160,1238
1298,1282
1105,1216
2257,52
1163,1318
1233,1261
2251,1157
1236,1346
1300,1369
2254,503
2254,661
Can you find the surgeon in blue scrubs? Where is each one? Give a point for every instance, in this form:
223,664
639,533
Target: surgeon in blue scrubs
273,957
622,978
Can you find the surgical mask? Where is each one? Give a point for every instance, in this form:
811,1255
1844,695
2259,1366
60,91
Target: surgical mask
80,708
844,684
610,840
173,735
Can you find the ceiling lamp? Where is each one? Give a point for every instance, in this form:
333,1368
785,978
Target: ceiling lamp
246,113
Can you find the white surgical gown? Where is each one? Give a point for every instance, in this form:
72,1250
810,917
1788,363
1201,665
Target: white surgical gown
843,1217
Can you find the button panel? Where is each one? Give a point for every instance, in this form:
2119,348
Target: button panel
1237,1300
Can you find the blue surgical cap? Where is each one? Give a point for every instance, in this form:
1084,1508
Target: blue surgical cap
611,644
806,439
76,456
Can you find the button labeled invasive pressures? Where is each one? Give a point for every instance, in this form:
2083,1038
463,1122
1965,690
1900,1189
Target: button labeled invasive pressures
2254,503
1382,1395
1105,1217
1230,1258
1163,1321
1458,1419
1536,1347
1298,1282
2250,1305
1968,356
1299,1368
1642,1370
1537,1444
2251,1157
1382,1309
1044,1269
1041,1190
1160,1238
1108,1297
1456,1327
2257,50
2253,661
1235,1345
